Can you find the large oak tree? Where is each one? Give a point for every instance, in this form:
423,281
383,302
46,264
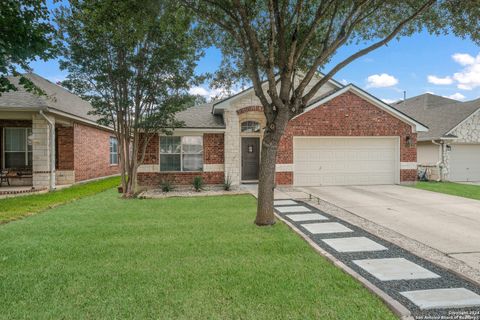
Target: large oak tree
282,44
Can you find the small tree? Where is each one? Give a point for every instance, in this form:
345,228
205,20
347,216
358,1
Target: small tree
134,61
273,42
26,34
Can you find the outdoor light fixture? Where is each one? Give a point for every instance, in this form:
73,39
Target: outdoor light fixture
408,141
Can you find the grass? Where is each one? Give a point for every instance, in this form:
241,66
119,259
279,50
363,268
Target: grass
456,189
18,207
179,258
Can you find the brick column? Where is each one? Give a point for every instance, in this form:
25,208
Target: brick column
232,147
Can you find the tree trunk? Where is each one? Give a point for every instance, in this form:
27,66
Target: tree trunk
266,183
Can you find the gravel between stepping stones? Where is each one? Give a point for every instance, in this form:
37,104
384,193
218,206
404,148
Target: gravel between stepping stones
392,288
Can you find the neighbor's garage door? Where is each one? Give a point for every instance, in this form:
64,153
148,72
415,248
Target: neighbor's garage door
345,161
464,162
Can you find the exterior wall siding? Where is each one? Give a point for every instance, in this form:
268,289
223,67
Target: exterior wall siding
348,115
92,153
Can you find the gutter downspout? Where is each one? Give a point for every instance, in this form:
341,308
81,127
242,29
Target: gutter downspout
52,150
440,164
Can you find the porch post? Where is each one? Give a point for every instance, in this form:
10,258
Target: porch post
42,146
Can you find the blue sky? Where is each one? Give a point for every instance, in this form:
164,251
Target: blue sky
443,65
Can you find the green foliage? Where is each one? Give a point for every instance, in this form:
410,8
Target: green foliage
26,34
198,183
134,61
227,183
455,189
166,186
18,207
177,258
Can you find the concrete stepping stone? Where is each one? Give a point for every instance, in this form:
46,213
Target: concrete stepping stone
292,209
326,227
306,217
394,269
354,244
443,298
284,202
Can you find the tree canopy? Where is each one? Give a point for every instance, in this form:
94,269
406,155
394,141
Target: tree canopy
135,61
25,34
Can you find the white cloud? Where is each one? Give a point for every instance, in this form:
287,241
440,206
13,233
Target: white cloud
389,101
440,81
344,81
463,58
210,94
381,81
431,92
456,96
469,77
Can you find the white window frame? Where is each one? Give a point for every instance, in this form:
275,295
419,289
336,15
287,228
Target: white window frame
181,153
4,142
112,153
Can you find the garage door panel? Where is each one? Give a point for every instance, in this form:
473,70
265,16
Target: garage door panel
344,161
464,162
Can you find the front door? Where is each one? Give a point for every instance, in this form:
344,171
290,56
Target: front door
250,158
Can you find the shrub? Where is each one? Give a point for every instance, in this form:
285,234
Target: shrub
198,183
227,183
166,186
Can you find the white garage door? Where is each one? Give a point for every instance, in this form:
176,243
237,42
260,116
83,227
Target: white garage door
345,161
464,162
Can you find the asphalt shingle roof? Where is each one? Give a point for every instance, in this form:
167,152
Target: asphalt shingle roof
57,98
201,116
440,114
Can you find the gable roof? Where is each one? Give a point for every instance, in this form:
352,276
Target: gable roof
419,127
201,116
57,99
440,114
219,105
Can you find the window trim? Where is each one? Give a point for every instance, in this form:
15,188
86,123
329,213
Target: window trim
110,151
181,153
251,132
4,143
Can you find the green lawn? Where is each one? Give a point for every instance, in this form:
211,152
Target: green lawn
456,189
180,258
18,207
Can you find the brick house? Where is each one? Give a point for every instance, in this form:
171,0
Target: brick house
52,140
344,137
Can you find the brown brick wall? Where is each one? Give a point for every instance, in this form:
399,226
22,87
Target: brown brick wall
92,153
347,115
408,175
250,109
65,148
213,153
152,151
213,148
154,179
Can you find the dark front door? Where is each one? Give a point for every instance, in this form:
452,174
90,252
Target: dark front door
250,158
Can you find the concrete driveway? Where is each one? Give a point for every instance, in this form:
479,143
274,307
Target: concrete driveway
449,224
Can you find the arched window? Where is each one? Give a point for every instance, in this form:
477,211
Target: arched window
250,126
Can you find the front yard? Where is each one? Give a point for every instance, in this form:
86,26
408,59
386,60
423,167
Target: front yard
182,258
456,189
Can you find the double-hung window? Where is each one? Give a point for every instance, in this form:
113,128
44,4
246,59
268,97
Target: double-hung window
181,153
17,150
113,151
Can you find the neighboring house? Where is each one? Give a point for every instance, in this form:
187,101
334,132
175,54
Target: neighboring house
344,137
451,147
49,140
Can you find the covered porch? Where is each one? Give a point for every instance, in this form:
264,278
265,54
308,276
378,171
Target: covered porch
27,152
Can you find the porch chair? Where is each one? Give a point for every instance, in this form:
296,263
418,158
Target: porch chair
4,177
